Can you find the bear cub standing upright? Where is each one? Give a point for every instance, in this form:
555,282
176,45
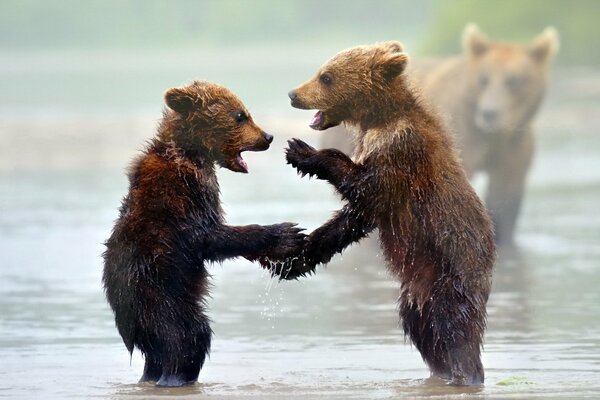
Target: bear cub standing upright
407,181
171,223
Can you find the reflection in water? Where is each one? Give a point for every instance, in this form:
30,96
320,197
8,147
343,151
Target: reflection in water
146,390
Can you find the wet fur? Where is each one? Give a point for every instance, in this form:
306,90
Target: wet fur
170,225
406,181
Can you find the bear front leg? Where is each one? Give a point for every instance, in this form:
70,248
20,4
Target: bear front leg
277,241
328,164
347,226
506,187
353,181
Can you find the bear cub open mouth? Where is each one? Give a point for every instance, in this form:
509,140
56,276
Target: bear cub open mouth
320,121
241,163
262,145
317,120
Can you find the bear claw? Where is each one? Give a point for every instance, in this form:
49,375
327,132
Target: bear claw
298,154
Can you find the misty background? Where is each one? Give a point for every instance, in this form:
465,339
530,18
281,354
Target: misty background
119,56
102,61
81,91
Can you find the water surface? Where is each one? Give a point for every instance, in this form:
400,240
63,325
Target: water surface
334,335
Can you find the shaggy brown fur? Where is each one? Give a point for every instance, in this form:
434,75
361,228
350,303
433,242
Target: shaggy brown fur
407,181
171,223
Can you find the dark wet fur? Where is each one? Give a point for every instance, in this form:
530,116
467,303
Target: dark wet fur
170,225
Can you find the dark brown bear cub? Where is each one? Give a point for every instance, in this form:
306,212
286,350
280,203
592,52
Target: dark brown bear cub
171,223
407,181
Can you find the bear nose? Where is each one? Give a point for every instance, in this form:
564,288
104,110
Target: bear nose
292,95
489,115
268,138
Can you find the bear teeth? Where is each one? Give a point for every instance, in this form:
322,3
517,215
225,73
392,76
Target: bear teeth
317,119
241,162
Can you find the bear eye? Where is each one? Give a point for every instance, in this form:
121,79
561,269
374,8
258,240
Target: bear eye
515,82
483,80
240,117
326,79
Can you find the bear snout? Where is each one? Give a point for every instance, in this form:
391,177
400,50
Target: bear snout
261,143
268,138
295,100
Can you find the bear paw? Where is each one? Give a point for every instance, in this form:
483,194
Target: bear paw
290,269
286,241
302,157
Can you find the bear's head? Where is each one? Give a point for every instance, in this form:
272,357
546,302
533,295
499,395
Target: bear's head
212,122
506,81
351,85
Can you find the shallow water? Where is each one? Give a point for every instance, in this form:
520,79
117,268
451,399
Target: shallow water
334,335
68,132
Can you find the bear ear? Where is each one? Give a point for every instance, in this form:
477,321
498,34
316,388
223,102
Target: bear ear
545,46
179,100
393,46
475,43
392,64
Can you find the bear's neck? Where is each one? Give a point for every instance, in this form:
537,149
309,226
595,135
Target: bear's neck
386,107
170,151
165,145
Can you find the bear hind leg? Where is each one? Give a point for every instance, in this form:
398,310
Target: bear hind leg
188,376
467,369
416,327
448,343
152,370
457,330
191,351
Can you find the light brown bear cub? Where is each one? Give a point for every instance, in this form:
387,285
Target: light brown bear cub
407,181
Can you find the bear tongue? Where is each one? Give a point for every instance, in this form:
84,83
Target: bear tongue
317,120
242,163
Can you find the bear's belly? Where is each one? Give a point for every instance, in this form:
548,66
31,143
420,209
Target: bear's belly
408,262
